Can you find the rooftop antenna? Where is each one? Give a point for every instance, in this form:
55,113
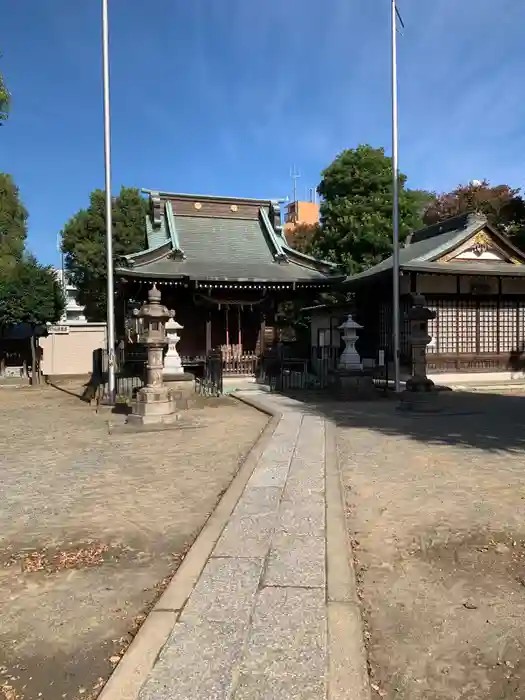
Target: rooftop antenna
295,175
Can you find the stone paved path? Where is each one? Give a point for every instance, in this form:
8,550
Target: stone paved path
255,626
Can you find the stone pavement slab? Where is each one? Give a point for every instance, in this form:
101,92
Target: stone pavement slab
198,661
296,560
256,625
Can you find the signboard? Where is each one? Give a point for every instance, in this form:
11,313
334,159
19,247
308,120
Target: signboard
13,371
58,330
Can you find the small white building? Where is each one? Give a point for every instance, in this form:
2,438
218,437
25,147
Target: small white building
72,344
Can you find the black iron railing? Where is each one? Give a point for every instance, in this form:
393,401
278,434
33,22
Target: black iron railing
130,374
211,381
319,371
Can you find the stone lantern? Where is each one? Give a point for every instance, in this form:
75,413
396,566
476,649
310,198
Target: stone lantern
180,383
154,403
172,363
350,380
420,391
350,360
419,315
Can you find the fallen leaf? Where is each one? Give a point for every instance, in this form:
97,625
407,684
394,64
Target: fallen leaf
114,659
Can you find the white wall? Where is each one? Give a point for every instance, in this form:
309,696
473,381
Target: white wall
71,353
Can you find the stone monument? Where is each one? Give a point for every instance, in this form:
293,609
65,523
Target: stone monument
351,381
173,373
154,403
420,392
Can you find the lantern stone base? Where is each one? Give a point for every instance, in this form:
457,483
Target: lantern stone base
153,406
181,384
352,384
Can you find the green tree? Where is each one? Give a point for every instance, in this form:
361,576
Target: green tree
356,209
84,244
5,100
13,222
301,236
503,206
29,294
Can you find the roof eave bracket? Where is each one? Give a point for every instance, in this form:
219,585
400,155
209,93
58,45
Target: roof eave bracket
156,209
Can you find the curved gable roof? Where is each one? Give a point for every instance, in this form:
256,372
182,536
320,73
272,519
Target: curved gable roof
425,248
206,238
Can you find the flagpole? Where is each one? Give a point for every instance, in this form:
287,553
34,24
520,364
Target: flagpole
395,207
109,219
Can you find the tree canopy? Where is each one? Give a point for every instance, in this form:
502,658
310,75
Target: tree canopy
502,205
356,209
13,221
29,293
84,245
5,100
301,236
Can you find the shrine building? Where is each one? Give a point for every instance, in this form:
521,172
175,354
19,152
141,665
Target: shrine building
471,275
224,265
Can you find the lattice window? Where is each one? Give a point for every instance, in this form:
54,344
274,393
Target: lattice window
488,326
521,325
433,330
447,337
385,326
467,324
404,324
507,324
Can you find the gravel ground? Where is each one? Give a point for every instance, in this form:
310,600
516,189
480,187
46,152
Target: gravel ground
92,525
436,508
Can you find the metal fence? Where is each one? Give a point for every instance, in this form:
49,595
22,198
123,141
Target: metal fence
211,381
319,371
130,374
295,373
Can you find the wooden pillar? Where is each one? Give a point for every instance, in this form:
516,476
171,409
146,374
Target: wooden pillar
208,333
226,318
239,328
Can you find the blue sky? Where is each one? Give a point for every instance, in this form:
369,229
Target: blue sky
223,96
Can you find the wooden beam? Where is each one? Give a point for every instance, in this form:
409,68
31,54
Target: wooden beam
208,333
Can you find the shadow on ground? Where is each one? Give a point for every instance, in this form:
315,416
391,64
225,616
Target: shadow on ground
485,421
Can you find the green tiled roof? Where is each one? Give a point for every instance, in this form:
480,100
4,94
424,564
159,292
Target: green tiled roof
215,248
156,236
426,245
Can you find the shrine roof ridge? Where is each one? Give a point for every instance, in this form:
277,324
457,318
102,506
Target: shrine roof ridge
215,197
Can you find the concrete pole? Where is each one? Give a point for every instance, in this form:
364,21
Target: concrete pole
109,217
395,207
